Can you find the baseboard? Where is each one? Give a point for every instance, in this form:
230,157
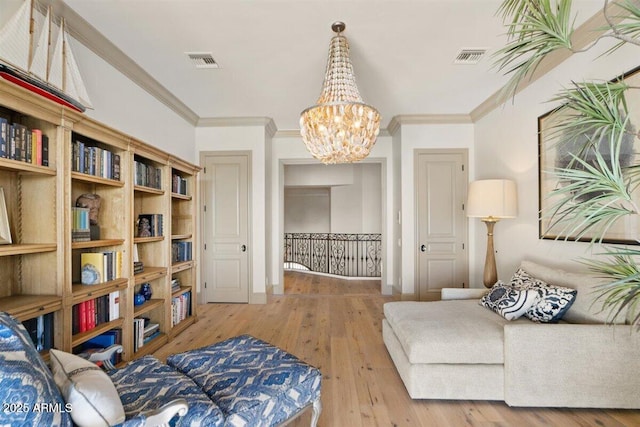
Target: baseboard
258,298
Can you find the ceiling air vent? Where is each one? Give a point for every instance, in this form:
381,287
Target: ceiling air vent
469,56
202,60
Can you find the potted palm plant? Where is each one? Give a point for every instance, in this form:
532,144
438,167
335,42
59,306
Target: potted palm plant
593,125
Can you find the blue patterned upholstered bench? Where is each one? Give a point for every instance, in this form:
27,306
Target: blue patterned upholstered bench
254,383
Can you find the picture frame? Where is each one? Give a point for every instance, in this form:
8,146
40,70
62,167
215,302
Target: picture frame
552,156
5,232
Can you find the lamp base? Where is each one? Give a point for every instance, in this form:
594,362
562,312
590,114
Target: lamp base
490,276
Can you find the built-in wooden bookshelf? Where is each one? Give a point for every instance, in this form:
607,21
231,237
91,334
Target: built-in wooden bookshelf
41,269
183,243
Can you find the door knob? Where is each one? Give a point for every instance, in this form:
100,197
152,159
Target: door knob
423,248
243,248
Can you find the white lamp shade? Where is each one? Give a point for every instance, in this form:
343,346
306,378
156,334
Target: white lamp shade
492,198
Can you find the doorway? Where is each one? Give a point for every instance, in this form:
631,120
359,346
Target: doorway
226,231
441,190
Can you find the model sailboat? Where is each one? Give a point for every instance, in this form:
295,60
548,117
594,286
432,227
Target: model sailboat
32,63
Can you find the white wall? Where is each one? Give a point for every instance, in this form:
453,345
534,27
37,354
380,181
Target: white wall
307,210
253,139
507,146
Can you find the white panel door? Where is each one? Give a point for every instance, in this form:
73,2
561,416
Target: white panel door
225,263
441,191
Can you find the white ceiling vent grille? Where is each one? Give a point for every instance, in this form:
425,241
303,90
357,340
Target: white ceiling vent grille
202,59
469,56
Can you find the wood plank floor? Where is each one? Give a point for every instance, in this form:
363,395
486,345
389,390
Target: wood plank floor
336,325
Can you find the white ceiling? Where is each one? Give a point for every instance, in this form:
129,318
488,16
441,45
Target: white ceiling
273,53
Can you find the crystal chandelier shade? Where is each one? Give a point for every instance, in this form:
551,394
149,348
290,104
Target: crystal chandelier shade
340,128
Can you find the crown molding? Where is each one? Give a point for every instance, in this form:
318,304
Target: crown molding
267,122
288,133
427,119
582,36
90,37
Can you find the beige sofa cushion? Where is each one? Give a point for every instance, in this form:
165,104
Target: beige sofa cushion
448,332
582,310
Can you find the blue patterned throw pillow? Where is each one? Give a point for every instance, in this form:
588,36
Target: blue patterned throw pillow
553,303
507,301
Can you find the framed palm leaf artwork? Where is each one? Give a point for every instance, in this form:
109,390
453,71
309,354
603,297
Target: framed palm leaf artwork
588,177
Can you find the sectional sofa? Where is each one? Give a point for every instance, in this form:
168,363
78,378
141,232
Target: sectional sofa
458,349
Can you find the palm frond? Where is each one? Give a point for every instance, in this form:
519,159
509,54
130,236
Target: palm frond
622,294
628,29
594,108
535,29
592,194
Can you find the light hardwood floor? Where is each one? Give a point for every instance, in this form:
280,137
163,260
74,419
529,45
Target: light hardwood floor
336,325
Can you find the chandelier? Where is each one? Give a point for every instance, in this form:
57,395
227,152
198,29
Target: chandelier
340,128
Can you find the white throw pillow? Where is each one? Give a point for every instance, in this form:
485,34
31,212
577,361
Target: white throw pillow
89,390
509,302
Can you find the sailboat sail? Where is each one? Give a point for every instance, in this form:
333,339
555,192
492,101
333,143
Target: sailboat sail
15,38
57,78
72,76
55,67
41,51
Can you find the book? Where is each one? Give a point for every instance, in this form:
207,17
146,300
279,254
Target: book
114,305
36,143
4,137
45,150
92,268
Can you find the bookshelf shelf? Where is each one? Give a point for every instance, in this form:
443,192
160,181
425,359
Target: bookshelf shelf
83,177
82,337
181,266
17,166
148,239
139,310
85,292
149,274
34,248
181,236
181,196
184,324
153,345
25,307
183,290
148,190
97,243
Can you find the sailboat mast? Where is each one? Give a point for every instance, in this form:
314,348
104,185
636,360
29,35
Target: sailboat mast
64,56
31,31
49,43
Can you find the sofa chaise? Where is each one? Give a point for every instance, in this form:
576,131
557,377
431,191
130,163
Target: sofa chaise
457,349
242,381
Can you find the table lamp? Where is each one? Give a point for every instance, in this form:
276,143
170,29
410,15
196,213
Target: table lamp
492,200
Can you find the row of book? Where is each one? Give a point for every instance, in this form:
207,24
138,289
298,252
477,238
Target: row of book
91,313
178,184
80,230
142,333
40,330
18,142
181,251
94,161
99,267
147,175
180,308
150,225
